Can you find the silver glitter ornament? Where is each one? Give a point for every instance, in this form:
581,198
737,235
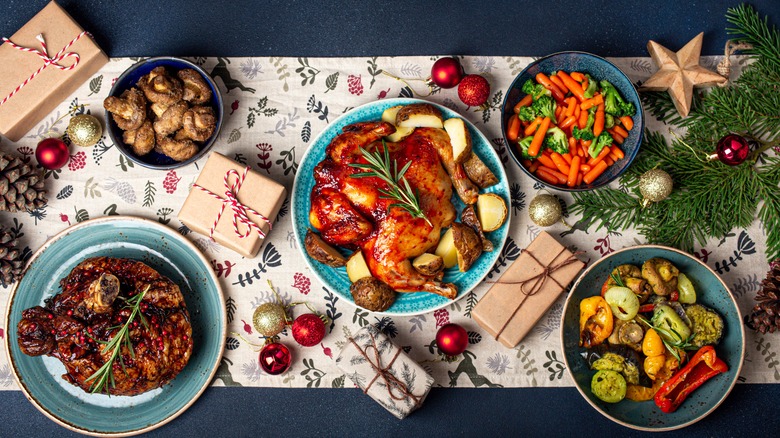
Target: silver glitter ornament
545,210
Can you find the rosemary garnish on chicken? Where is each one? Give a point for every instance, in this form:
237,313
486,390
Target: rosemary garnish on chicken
380,166
105,374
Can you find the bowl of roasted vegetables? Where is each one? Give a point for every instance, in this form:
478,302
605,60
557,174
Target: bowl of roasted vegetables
652,338
572,121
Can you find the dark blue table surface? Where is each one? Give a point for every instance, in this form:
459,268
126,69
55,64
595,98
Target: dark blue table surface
371,27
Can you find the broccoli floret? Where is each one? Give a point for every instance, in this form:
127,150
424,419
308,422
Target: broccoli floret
604,139
536,90
523,146
593,86
609,121
526,114
555,139
613,101
545,107
586,133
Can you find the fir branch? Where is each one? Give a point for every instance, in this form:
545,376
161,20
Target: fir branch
764,39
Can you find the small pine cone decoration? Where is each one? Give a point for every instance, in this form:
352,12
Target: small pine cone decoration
765,316
21,186
11,262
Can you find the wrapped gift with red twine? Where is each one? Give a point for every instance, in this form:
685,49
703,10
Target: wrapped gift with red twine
232,204
41,65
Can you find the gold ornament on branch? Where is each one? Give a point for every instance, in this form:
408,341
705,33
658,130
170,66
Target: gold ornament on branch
655,186
679,73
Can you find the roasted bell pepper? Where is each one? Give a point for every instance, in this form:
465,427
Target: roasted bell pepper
596,322
702,366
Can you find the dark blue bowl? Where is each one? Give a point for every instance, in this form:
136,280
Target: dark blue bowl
128,79
600,69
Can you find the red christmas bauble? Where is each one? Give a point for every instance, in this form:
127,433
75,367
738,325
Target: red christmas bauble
446,72
52,153
275,358
474,90
452,339
732,150
308,330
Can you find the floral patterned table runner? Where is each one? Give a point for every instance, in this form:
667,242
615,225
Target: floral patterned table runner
274,107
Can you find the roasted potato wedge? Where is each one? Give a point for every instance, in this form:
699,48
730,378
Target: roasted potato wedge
357,267
419,115
478,172
428,264
321,251
468,247
372,294
460,139
491,210
446,250
389,116
469,217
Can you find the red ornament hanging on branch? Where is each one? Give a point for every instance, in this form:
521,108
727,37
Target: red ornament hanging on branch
731,150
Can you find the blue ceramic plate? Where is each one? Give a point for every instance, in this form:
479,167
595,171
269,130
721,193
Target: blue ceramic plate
164,250
335,279
600,69
128,79
711,291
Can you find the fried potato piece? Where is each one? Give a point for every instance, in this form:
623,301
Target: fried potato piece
196,91
128,110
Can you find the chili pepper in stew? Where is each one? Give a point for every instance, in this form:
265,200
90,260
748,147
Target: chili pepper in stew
703,366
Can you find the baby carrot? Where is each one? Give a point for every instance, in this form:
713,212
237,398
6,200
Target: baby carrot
559,111
572,146
583,119
612,157
572,102
584,84
526,163
579,178
616,150
558,175
548,84
577,111
546,177
598,124
573,86
546,161
525,101
560,163
585,168
532,127
577,76
567,157
593,101
600,157
536,143
566,123
513,130
573,171
594,173
622,132
627,122
534,166
608,159
559,83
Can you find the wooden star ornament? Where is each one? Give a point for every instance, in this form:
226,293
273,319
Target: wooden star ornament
680,73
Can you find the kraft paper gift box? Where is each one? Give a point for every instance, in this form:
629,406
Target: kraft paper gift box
384,372
41,95
517,300
202,207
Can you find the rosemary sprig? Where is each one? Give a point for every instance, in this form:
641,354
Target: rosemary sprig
380,166
676,342
105,374
616,278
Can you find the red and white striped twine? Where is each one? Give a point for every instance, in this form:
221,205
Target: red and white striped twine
47,61
239,210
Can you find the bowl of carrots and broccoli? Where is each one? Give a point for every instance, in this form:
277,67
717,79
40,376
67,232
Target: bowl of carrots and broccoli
572,121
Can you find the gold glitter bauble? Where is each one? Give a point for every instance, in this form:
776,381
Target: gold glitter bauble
84,130
655,186
545,210
269,319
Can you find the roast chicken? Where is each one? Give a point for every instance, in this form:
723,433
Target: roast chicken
352,213
73,325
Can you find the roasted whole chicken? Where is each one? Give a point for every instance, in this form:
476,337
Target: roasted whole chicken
351,212
74,325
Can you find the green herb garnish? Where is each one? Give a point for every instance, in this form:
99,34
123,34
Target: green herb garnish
105,374
380,166
676,341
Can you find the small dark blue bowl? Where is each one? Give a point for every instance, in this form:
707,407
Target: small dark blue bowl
600,69
128,79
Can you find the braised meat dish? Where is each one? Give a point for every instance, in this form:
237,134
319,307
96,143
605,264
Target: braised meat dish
94,305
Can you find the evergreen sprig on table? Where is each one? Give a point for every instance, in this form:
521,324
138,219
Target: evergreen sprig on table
710,198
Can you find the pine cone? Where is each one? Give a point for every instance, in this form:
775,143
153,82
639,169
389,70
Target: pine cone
21,186
765,316
11,262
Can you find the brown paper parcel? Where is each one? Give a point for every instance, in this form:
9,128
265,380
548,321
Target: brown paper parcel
42,94
200,209
508,312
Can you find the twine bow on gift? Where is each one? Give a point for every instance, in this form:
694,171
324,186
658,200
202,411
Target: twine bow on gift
391,381
47,61
239,210
537,281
